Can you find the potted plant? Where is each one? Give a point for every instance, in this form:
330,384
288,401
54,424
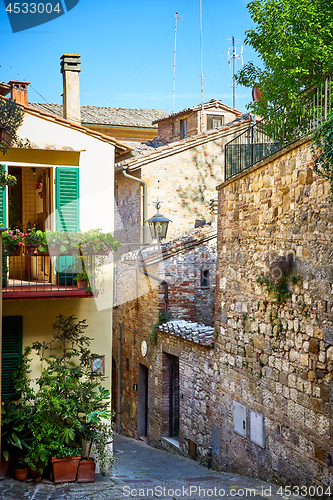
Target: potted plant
35,242
69,392
12,241
21,470
15,434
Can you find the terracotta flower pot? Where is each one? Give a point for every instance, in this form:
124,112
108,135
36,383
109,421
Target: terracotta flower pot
21,474
4,466
30,249
64,469
34,473
82,283
86,472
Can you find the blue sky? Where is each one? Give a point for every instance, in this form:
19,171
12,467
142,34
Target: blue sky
127,52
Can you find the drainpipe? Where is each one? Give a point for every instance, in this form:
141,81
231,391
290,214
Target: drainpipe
163,282
119,374
145,207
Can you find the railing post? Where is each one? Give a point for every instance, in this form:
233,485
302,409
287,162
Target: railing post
325,99
252,146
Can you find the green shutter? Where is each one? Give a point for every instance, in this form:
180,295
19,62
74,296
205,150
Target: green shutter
3,204
67,199
11,354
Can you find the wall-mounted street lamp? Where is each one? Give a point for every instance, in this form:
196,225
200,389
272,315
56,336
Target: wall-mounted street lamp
158,224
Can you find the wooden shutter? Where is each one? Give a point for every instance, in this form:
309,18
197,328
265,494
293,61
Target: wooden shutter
3,204
67,199
11,354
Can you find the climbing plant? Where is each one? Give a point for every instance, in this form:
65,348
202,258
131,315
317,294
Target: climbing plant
322,150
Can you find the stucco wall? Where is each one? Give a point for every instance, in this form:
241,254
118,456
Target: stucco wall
96,167
39,316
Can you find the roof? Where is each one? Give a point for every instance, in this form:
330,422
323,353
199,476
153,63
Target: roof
196,332
150,154
119,146
213,103
184,242
95,115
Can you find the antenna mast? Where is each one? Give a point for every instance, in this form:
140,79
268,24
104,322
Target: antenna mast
174,61
234,56
202,106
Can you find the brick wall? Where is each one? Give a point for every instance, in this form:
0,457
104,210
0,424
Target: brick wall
276,358
139,301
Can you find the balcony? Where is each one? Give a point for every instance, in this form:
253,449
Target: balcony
38,276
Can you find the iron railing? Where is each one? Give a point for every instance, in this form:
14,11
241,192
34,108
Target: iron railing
42,275
297,119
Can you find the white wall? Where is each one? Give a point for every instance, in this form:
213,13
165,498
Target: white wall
96,167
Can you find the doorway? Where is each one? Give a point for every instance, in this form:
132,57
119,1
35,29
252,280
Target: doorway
170,425
143,401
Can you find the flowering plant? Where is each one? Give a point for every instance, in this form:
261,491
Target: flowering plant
11,240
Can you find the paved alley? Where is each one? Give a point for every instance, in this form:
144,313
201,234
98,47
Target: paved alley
142,472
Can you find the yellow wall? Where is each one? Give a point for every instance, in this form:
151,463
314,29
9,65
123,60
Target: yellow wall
39,315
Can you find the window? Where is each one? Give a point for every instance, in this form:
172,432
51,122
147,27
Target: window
11,353
214,121
205,278
182,129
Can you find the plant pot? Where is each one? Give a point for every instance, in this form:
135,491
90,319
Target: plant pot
21,474
64,469
15,252
34,473
4,466
82,283
86,472
30,249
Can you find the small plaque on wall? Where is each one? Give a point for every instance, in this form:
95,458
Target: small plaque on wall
239,418
257,432
98,365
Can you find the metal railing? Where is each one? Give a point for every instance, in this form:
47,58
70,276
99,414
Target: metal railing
44,275
296,119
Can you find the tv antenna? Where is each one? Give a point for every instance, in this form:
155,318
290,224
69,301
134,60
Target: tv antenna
232,54
174,61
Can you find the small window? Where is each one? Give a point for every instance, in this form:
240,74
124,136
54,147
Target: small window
11,354
183,129
127,364
205,278
214,121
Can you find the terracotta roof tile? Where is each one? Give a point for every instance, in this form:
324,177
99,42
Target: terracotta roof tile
196,332
95,115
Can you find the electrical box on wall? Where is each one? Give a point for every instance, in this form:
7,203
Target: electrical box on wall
239,418
257,431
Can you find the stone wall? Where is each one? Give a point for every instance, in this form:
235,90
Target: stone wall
183,176
139,300
274,315
195,372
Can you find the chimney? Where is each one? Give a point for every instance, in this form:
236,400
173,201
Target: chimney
19,91
70,69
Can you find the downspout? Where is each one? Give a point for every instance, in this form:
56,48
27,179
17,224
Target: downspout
162,282
119,374
145,206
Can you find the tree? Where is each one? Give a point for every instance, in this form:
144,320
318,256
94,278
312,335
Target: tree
294,39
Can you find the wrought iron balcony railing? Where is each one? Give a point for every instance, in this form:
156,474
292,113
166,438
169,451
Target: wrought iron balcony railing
42,276
297,119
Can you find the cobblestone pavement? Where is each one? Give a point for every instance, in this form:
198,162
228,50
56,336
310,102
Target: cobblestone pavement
142,472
